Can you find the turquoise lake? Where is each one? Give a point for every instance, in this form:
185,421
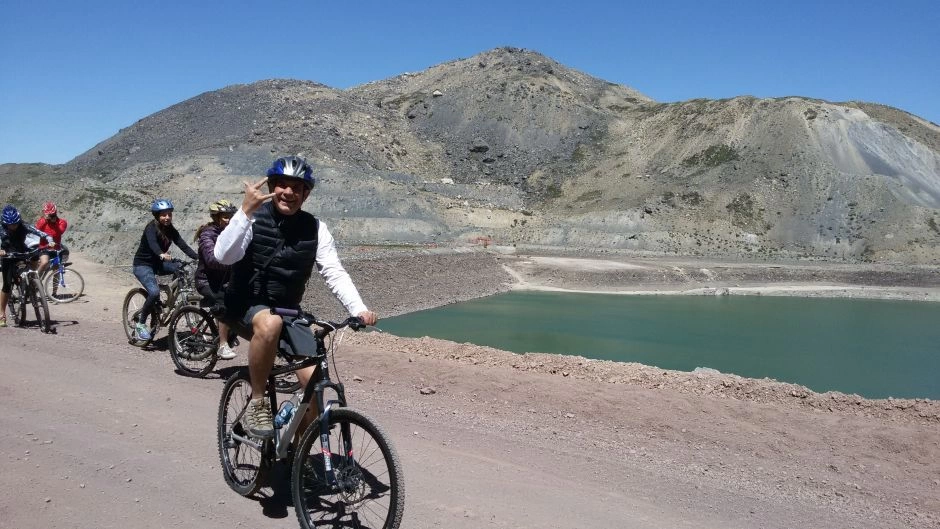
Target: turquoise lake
875,348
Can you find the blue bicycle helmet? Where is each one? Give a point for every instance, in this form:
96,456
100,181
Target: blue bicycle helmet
10,215
161,204
293,167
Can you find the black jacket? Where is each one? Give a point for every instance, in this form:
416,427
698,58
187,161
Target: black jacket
16,241
151,246
288,246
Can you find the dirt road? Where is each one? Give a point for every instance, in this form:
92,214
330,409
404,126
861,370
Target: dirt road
97,434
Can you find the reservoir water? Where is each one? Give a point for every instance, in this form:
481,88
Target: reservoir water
875,348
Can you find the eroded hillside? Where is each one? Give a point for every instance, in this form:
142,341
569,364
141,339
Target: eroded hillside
512,148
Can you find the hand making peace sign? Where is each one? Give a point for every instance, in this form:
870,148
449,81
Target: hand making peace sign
254,197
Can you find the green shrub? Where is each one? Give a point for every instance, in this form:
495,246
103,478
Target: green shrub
933,225
712,156
590,195
693,198
742,210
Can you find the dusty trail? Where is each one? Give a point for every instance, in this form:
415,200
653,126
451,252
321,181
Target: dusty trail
95,433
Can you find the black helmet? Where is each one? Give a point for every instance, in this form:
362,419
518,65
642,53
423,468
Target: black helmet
293,167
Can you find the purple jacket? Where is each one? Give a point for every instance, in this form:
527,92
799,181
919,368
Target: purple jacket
210,272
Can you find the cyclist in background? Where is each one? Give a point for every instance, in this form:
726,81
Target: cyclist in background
51,224
153,258
273,247
13,238
211,275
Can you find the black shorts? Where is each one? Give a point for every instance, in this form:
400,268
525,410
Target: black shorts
242,325
210,297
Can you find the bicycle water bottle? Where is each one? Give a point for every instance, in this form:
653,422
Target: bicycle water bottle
285,414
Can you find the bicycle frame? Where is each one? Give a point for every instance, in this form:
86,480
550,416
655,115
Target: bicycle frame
315,388
180,290
56,267
23,278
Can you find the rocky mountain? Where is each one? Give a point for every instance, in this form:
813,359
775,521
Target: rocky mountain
511,148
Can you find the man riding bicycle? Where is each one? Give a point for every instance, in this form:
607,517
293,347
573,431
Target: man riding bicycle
14,238
273,247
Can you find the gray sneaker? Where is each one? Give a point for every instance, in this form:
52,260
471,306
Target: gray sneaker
257,420
226,352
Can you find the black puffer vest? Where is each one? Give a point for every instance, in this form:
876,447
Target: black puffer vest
283,281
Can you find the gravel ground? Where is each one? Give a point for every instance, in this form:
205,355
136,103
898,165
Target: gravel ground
487,438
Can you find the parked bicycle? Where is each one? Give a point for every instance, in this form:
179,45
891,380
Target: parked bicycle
344,470
62,283
27,290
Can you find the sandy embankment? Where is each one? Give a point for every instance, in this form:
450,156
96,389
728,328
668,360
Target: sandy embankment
670,277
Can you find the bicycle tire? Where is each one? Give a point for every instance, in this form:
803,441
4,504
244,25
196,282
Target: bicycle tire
244,467
194,341
370,486
65,289
130,313
40,306
17,305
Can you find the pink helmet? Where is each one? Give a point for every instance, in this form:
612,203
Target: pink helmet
49,208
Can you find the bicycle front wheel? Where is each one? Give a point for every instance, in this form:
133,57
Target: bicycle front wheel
17,304
194,340
65,286
243,462
40,307
131,316
368,486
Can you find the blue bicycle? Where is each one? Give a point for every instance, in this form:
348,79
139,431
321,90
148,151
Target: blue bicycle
61,282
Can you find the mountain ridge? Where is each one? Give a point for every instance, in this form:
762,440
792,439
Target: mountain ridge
514,148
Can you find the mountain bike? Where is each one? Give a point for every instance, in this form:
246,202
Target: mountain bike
27,290
176,296
344,471
61,282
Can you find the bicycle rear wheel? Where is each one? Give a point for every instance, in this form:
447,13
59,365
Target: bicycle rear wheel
369,489
130,316
63,287
244,464
40,307
194,340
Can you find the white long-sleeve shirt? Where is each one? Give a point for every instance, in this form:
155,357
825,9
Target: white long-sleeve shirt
232,243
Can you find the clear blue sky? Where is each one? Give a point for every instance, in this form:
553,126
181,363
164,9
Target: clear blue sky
73,73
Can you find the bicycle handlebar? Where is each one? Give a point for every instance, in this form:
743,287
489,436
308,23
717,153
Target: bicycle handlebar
307,319
182,262
24,256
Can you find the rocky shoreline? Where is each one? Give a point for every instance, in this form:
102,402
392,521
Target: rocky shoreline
400,282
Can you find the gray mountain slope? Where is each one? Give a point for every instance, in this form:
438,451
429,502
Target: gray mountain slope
513,148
